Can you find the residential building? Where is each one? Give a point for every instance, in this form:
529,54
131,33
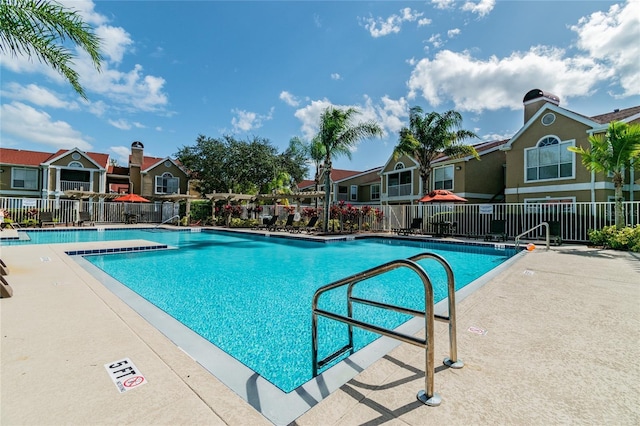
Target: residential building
479,181
33,174
540,168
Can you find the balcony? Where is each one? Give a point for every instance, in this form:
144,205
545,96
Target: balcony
399,190
70,185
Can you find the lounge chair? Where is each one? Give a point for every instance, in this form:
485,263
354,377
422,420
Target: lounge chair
416,227
309,227
267,223
497,231
5,289
288,224
85,218
46,218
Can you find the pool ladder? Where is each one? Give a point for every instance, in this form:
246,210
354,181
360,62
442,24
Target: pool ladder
426,396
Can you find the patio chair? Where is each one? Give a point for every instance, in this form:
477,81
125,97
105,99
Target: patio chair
311,226
85,218
555,232
288,224
4,269
497,230
267,223
5,289
46,218
415,228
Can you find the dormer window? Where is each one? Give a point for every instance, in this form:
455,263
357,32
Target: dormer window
549,159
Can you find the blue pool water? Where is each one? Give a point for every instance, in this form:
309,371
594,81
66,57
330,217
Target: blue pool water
251,296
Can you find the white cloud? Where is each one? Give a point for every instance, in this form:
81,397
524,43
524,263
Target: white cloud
122,154
336,76
37,126
482,7
310,117
114,42
443,4
131,90
609,54
37,95
453,32
289,99
85,8
613,37
436,41
247,120
424,21
120,124
477,85
379,27
389,113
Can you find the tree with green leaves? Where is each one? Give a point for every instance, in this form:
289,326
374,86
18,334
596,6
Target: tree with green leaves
294,160
227,164
612,153
338,135
430,135
43,29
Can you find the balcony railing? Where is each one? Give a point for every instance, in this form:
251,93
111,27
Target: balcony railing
399,190
70,185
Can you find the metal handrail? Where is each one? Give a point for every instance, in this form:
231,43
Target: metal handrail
426,396
176,216
548,236
453,360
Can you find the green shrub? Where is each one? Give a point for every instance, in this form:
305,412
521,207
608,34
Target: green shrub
627,238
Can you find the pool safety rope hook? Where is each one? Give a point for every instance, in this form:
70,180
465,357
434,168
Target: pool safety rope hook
426,396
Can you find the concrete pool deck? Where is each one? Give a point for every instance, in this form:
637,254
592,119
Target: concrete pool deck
553,338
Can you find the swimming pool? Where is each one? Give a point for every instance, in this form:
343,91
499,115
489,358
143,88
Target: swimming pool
251,296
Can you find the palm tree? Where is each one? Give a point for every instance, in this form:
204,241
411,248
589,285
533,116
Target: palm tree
40,28
430,135
338,136
317,154
612,152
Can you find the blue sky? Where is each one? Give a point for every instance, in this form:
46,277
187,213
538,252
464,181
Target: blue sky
176,69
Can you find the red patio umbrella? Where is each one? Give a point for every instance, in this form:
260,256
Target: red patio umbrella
442,196
132,198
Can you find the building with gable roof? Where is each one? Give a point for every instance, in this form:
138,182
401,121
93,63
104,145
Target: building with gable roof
539,167
34,174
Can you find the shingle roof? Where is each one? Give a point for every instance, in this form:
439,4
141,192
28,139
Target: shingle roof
480,148
22,157
35,158
616,115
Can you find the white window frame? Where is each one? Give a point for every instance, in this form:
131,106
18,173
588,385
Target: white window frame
25,179
562,146
75,165
402,189
373,191
353,193
161,186
443,168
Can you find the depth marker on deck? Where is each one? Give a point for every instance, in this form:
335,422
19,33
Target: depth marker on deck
125,375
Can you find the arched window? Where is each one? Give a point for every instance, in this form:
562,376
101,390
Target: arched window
76,165
549,159
399,166
167,184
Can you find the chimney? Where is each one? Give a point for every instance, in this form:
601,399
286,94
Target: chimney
534,100
135,168
137,153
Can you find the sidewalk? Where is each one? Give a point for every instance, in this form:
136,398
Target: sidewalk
554,338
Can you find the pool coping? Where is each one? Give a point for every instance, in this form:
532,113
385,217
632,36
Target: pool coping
279,407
